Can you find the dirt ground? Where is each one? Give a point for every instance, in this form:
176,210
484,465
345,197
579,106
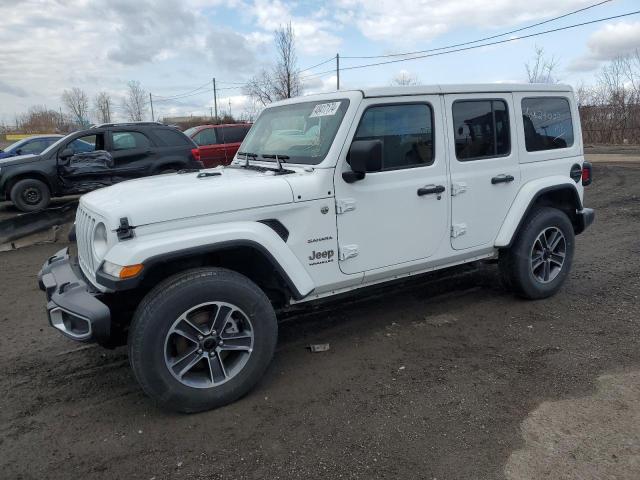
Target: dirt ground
449,377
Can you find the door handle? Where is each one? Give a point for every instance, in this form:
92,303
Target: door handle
430,190
502,179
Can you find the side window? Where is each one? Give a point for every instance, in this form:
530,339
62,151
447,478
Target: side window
129,141
233,134
406,132
481,129
171,138
206,137
34,146
88,143
547,123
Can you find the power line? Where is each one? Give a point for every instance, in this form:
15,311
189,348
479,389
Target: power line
322,63
482,39
507,40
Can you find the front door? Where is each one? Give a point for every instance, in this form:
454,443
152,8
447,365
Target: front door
398,214
485,173
83,169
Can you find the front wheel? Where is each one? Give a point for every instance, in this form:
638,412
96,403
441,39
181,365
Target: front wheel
202,339
30,195
539,261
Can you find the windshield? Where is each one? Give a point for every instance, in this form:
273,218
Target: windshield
302,131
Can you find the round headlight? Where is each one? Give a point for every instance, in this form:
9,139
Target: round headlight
100,245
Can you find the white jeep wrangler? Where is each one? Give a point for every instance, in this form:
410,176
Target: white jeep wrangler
328,194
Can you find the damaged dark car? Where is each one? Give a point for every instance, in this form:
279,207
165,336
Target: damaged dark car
94,158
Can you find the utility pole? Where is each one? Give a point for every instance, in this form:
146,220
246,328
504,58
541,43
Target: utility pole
151,102
230,107
337,71
215,98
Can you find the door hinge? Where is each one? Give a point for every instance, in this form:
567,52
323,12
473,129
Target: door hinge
458,229
458,188
345,205
348,251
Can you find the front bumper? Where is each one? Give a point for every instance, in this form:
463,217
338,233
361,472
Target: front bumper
584,218
73,306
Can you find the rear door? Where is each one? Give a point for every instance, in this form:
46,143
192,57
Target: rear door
485,173
233,135
133,154
211,146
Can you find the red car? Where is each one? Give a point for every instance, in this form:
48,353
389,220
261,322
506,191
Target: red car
218,143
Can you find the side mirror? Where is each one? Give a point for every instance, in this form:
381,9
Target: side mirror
364,156
66,153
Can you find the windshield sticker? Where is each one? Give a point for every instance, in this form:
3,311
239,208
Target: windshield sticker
325,109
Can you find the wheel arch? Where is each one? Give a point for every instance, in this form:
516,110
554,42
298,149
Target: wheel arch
35,175
250,248
563,196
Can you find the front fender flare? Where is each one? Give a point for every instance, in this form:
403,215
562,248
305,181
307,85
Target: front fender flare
153,248
524,201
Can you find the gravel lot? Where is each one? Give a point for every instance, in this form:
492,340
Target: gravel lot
449,377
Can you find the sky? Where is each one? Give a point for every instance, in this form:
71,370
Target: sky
176,47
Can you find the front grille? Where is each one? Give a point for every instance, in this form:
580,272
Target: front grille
85,223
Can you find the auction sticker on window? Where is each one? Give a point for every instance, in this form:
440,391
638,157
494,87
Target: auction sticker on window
325,109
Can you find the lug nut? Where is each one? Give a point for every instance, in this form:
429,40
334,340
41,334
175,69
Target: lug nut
200,337
200,350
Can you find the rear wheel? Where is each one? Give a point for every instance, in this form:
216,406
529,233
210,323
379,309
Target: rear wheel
202,339
539,261
30,195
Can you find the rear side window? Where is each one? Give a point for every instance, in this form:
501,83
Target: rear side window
206,137
481,129
547,123
234,134
406,132
129,141
171,138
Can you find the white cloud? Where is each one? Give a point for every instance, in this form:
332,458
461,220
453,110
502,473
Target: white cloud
315,34
608,42
408,22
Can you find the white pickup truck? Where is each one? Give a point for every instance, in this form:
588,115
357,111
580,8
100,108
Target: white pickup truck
328,194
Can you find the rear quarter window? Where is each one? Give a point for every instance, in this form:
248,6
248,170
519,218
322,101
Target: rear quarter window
171,138
547,123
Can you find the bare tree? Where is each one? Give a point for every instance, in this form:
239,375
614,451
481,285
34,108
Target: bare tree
283,81
404,78
77,103
103,104
41,120
541,69
135,103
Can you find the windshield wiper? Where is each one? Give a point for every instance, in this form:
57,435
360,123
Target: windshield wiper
278,159
248,155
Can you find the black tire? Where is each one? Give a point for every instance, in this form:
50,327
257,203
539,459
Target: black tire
30,195
518,263
152,323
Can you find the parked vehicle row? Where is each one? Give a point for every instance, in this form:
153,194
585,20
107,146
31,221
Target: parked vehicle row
93,158
328,194
218,143
45,166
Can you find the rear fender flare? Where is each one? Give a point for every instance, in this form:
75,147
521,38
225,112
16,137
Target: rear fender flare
526,199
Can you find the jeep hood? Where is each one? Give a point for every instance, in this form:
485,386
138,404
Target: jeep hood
181,195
